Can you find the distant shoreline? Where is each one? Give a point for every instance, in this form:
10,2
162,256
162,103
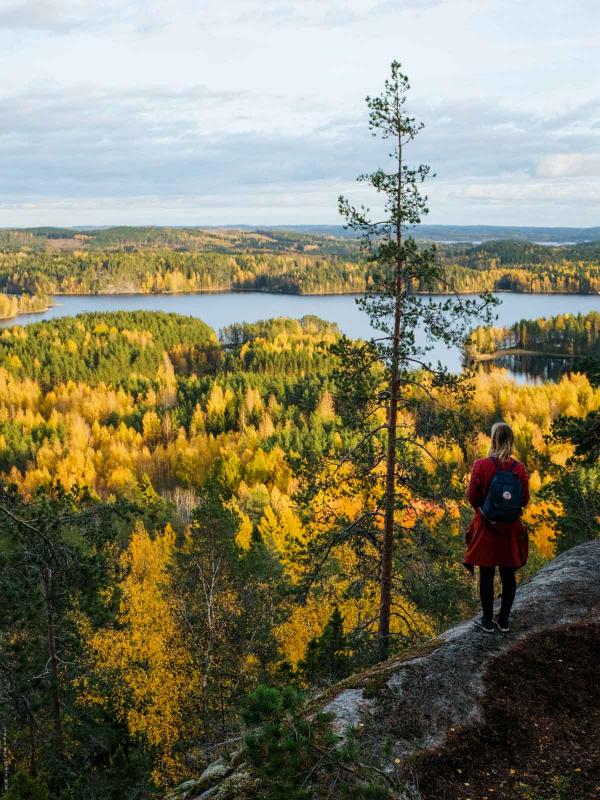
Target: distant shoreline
130,293
27,313
517,351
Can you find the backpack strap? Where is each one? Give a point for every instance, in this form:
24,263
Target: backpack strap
496,462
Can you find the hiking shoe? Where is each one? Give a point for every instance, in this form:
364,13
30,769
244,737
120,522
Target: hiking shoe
502,626
486,626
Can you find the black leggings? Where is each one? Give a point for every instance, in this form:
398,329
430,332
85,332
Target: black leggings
486,591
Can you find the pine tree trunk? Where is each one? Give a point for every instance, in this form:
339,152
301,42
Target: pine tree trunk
32,749
5,759
53,658
385,601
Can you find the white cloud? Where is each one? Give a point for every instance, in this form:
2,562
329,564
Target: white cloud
569,165
65,16
178,151
176,106
539,191
331,13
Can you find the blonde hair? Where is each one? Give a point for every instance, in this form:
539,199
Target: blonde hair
502,441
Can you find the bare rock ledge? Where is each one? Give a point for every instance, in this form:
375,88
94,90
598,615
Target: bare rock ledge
416,699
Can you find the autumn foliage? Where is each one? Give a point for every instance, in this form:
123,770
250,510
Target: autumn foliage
199,592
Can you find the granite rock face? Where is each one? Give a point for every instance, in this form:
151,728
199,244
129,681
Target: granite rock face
420,699
409,704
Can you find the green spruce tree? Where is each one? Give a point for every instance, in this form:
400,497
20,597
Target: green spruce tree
327,656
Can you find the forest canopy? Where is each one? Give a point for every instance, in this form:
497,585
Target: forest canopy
564,334
153,478
155,260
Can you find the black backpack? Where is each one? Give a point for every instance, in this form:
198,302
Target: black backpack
504,499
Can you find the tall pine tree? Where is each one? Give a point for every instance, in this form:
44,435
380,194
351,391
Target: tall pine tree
387,381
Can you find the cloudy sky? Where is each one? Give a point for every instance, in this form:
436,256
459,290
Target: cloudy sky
252,111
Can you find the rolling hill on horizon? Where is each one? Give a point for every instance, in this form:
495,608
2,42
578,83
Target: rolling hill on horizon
549,235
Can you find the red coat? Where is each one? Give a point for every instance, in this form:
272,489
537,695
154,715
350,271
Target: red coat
504,545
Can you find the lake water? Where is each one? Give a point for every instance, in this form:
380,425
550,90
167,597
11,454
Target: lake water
219,310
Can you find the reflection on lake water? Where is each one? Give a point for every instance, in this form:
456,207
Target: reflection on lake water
530,368
219,310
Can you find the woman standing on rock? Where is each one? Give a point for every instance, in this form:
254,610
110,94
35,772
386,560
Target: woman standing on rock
498,491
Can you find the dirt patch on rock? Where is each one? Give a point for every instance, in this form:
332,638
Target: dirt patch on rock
539,738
